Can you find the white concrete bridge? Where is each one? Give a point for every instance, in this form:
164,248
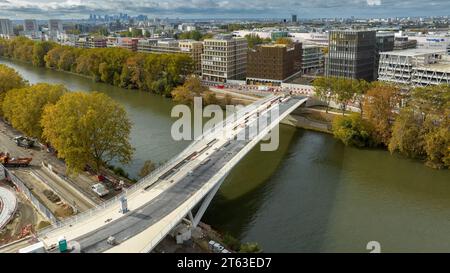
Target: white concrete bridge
161,200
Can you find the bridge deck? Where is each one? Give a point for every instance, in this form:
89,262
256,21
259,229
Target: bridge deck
166,202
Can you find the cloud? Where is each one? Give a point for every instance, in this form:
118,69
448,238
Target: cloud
218,8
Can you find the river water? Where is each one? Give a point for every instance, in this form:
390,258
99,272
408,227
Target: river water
311,195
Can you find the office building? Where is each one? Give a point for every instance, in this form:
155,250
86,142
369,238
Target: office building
294,18
273,63
415,67
403,42
312,59
30,26
275,35
384,42
351,54
170,45
224,58
6,28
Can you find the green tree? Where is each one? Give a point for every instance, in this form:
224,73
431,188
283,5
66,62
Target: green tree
23,107
88,129
353,130
40,49
250,248
323,89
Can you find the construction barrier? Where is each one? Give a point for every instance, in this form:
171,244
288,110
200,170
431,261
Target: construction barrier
4,172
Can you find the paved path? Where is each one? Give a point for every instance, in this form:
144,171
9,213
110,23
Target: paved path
8,206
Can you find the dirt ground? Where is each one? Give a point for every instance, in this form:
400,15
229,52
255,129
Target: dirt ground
26,221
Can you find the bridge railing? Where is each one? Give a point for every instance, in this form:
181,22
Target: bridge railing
147,180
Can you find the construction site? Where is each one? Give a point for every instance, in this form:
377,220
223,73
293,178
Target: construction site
35,191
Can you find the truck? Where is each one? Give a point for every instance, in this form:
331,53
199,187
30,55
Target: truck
25,142
100,189
8,161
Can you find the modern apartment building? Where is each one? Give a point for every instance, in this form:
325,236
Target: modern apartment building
417,67
273,63
91,42
6,28
224,58
312,59
351,54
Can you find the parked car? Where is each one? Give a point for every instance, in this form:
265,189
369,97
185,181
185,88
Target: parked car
100,189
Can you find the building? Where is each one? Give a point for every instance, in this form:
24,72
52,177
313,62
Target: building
195,49
384,42
91,42
403,42
273,63
6,28
224,58
416,67
170,45
438,42
351,54
294,18
55,26
312,59
128,43
30,26
275,35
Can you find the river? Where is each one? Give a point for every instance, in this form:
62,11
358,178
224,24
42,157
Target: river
311,195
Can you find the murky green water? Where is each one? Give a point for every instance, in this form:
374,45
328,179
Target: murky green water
311,195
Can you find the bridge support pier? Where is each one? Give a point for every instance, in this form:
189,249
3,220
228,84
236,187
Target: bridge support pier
208,198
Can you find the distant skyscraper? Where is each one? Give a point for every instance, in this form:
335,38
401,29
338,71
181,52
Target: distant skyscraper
294,18
6,28
351,54
30,26
55,25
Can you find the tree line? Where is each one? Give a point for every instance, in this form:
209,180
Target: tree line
414,123
157,73
84,128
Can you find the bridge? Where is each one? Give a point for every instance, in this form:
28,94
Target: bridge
171,193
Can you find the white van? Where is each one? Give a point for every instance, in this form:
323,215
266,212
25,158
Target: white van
100,189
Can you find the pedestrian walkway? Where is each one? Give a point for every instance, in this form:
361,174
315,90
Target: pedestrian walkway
8,204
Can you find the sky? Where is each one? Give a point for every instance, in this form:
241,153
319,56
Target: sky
68,9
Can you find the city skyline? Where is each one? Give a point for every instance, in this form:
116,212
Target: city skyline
79,9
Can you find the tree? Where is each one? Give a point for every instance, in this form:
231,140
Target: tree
40,49
210,98
380,106
250,248
360,91
147,168
344,90
284,41
352,130
88,129
9,79
323,89
407,136
192,87
23,107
